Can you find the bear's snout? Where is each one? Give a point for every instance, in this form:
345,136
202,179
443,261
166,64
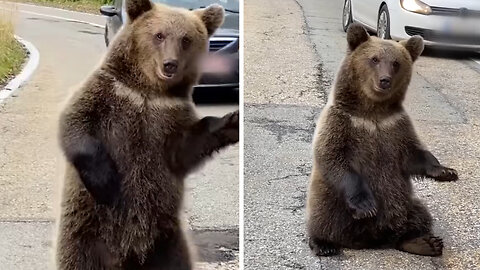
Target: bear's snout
385,83
170,67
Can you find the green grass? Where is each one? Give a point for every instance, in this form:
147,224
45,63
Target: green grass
90,6
12,54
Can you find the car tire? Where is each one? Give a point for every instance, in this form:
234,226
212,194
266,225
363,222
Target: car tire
347,14
383,23
106,35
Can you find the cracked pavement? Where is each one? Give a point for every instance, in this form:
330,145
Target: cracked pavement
297,46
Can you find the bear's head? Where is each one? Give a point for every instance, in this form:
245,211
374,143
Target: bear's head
162,45
383,68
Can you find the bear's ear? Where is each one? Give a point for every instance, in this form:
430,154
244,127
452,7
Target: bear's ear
414,46
212,16
135,8
356,35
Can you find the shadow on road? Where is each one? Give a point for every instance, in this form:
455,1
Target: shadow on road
216,245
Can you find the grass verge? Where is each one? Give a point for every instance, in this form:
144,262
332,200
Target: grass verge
12,53
89,6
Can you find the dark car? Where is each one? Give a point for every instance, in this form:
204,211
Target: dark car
221,69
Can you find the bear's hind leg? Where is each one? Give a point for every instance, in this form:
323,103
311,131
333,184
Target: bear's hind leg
418,238
170,254
322,247
426,245
87,254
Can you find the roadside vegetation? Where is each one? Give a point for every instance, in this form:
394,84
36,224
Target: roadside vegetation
12,53
90,6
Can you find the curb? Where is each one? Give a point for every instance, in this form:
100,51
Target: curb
27,71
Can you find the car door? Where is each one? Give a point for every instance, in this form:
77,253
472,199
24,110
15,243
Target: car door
366,12
359,10
371,12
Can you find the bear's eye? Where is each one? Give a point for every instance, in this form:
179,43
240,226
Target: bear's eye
396,64
186,42
375,60
160,37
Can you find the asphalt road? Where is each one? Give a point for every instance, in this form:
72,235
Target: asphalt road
31,164
443,100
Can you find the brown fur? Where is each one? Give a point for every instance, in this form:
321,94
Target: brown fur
365,151
130,137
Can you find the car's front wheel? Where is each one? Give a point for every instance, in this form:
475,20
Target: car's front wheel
347,14
383,23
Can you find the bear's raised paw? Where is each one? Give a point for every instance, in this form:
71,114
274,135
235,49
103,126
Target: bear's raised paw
230,127
443,174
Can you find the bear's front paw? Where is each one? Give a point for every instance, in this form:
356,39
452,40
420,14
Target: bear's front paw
443,174
229,130
363,205
322,248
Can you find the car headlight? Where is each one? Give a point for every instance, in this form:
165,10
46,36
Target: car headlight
416,6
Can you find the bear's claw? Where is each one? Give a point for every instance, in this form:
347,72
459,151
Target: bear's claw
363,206
322,248
443,174
231,125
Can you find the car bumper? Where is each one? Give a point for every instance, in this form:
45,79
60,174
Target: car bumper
218,85
405,24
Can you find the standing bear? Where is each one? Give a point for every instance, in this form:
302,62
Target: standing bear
365,152
131,135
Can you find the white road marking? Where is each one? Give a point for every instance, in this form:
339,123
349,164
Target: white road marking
28,69
476,61
54,17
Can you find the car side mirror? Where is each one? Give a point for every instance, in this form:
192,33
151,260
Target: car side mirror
108,11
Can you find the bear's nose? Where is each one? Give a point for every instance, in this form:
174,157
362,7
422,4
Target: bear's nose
385,83
170,66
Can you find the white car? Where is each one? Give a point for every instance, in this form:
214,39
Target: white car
444,23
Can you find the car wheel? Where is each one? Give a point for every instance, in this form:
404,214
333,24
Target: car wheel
106,35
347,14
383,23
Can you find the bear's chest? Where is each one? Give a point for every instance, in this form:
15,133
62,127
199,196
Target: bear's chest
137,132
379,144
380,155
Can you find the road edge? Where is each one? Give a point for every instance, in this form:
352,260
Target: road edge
56,8
322,82
27,70
55,16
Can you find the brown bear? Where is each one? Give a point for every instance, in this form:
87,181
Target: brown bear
365,152
131,135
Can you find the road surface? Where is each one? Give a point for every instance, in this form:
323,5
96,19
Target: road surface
301,43
71,44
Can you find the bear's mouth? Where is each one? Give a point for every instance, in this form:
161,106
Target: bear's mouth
381,90
165,75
